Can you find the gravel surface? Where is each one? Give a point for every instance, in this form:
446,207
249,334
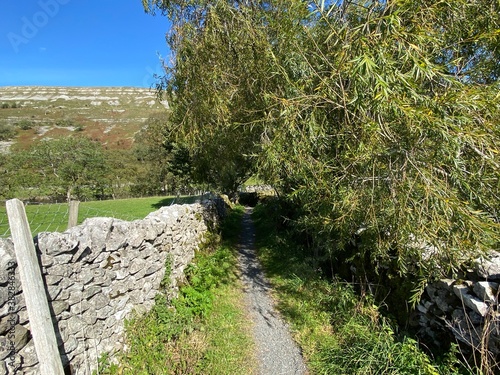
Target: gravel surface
277,353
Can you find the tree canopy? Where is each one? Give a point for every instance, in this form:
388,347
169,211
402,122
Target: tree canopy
380,119
73,167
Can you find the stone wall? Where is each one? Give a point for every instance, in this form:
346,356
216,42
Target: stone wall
97,274
268,189
464,310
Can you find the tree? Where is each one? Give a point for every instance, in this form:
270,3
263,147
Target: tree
217,84
167,164
382,139
378,118
74,166
472,39
123,170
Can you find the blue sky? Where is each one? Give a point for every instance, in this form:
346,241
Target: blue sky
80,43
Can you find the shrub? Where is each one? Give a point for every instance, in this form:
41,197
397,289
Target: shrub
7,132
25,124
65,122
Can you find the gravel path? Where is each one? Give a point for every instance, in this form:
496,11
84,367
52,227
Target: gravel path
277,353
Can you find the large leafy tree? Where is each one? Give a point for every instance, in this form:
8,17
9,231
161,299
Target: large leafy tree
216,85
379,118
388,140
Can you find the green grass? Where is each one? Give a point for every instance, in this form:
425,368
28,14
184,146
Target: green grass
203,331
253,180
339,331
54,217
129,209
230,348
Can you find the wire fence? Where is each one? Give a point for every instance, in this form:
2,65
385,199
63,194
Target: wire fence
53,217
4,223
41,217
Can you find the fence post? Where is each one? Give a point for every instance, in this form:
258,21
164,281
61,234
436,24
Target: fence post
73,213
37,306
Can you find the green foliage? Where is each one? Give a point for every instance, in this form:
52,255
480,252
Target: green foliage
7,132
25,124
70,167
167,164
375,117
166,281
231,226
65,122
215,83
104,366
374,352
122,172
5,105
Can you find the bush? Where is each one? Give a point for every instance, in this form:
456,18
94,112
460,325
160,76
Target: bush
65,122
7,132
25,124
5,105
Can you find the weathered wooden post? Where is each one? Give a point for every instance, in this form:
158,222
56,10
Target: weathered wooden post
37,306
73,213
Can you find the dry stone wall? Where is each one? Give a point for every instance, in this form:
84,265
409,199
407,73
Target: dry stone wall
98,274
464,310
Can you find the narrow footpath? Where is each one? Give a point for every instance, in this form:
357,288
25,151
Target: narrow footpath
277,353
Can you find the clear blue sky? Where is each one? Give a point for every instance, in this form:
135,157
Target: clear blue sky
80,43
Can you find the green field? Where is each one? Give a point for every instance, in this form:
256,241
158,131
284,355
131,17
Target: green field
54,217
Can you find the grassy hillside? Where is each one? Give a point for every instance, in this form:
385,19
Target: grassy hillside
110,115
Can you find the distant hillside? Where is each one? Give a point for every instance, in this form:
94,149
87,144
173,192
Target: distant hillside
111,115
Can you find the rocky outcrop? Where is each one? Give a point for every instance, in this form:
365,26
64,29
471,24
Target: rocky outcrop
96,275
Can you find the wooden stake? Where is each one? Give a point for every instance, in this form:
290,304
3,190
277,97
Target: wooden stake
41,326
73,213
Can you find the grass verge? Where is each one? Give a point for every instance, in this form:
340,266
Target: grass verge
339,331
204,330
